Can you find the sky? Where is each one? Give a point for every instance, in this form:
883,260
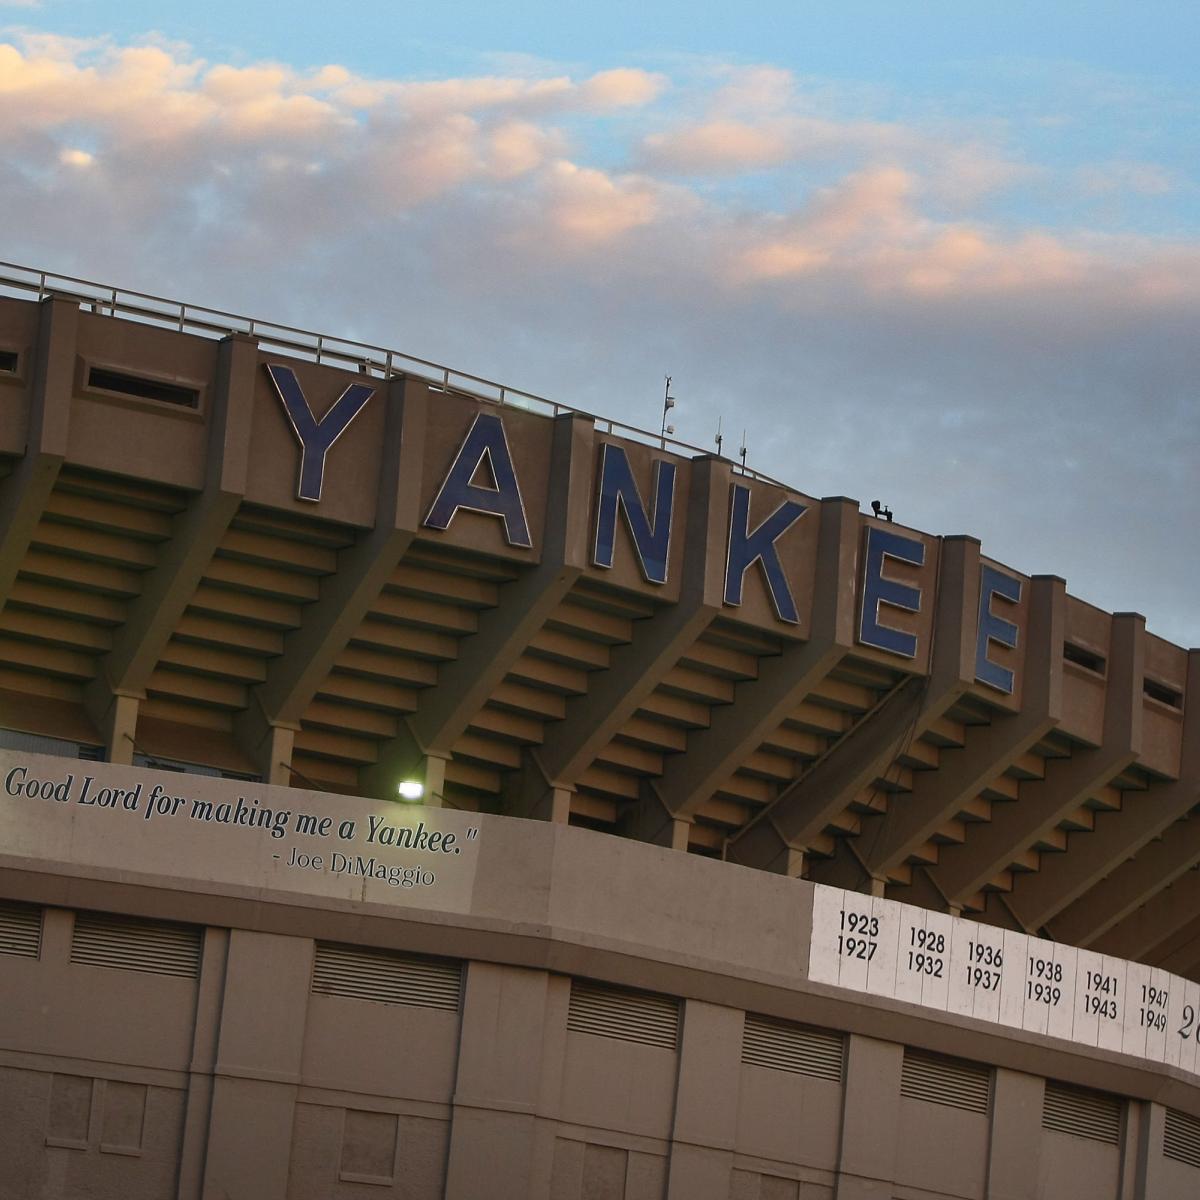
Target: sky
939,254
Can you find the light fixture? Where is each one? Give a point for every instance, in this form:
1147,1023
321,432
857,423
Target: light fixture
411,789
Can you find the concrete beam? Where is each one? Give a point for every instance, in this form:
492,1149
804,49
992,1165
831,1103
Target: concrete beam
362,571
1042,803
24,494
736,730
1090,857
1156,921
1130,885
804,808
484,658
962,773
637,668
169,586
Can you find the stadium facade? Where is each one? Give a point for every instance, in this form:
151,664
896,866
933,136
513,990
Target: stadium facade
766,849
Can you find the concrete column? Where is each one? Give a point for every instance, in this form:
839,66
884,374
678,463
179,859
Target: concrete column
706,1103
870,1115
259,1048
1016,1135
204,1057
495,1148
120,728
275,763
1141,1151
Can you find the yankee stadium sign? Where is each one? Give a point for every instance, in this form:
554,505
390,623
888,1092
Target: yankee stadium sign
482,478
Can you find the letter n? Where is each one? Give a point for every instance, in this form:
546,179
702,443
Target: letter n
619,491
315,437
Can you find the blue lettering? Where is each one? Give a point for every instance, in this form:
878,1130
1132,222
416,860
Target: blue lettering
995,629
485,440
747,548
877,589
315,437
619,490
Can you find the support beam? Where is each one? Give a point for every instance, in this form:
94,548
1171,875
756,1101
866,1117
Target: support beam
1130,885
465,684
1042,803
24,494
1180,953
169,586
650,820
736,730
804,808
1162,916
362,571
529,793
1065,878
637,668
937,796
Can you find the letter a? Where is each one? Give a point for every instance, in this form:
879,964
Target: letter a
485,440
315,437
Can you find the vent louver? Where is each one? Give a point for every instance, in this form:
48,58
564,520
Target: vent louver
1181,1138
1082,1113
359,973
132,944
20,930
948,1081
782,1046
645,1017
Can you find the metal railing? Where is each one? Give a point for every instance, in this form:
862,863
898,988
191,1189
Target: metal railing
363,357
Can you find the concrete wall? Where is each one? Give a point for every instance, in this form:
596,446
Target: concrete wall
243,1084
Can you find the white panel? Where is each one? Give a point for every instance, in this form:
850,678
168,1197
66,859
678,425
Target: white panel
1012,990
1186,1029
977,957
857,939
1097,999
881,967
1042,985
910,976
1062,1011
1111,1034
1137,1013
935,987
823,961
1160,1011
1173,1044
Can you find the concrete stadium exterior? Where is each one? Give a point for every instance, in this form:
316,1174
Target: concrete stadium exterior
767,849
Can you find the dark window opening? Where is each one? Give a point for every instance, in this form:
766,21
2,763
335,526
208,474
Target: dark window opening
8,362
1083,658
1162,693
143,389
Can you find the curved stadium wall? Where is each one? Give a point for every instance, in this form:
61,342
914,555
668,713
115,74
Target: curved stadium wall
765,848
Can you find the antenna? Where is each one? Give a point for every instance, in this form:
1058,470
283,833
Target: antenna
719,438
742,452
668,404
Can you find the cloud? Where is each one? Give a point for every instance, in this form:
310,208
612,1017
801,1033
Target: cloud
848,289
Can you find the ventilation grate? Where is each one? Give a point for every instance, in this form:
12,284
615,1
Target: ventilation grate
124,384
782,1046
948,1081
1094,1115
362,974
1181,1138
132,944
645,1017
20,930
